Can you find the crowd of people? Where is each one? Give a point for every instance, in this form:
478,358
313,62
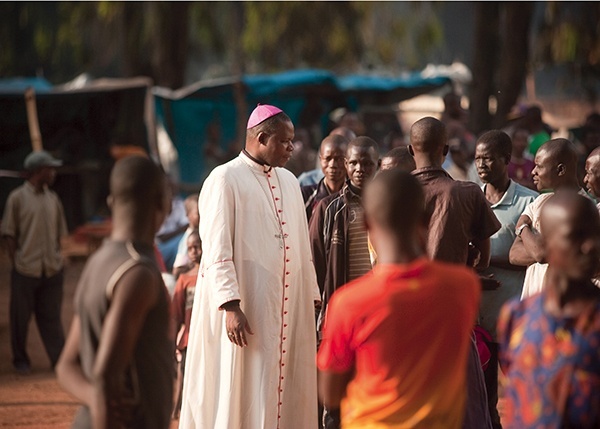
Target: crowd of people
397,289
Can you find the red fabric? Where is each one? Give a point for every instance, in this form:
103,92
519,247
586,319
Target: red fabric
181,305
159,260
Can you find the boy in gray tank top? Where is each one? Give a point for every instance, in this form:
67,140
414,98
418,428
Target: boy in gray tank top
118,357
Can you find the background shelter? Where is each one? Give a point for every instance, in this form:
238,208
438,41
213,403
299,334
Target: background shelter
205,121
87,126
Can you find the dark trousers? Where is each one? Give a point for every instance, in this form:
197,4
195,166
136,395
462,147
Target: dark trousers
42,297
491,384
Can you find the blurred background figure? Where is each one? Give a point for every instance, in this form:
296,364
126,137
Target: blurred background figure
520,165
398,157
181,309
304,156
172,229
32,228
539,131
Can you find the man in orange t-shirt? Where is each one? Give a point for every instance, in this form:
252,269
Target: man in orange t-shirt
395,341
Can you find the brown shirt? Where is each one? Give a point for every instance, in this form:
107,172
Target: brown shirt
459,213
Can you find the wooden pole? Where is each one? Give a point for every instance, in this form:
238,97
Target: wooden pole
32,120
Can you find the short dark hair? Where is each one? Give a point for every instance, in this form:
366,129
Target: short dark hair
402,158
498,140
364,142
428,135
562,151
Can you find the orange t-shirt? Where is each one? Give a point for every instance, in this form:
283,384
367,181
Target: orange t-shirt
405,331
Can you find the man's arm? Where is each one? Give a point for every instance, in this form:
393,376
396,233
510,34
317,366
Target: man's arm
133,297
68,369
332,387
484,246
532,240
10,243
527,248
518,255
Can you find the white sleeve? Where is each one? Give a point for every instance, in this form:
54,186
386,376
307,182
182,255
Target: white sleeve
217,223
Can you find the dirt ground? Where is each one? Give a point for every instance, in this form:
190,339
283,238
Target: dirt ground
35,401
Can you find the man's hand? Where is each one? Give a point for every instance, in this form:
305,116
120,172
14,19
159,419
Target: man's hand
236,325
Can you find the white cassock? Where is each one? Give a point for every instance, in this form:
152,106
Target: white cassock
256,249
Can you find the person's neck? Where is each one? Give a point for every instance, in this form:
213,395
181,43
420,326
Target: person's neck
424,160
253,155
566,297
570,183
128,227
333,186
393,251
37,184
495,190
355,189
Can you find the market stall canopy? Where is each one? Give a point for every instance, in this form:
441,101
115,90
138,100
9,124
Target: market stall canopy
79,124
203,122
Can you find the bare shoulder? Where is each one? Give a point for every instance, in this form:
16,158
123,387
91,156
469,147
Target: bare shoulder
139,285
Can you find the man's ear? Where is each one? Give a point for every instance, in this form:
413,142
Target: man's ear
109,201
561,169
411,150
262,137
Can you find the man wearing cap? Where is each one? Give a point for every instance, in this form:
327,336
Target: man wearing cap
32,226
251,349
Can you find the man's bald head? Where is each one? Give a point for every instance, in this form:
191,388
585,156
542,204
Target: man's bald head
394,201
137,180
570,227
428,135
562,151
595,152
334,141
555,165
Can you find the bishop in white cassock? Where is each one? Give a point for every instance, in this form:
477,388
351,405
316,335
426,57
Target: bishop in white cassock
251,353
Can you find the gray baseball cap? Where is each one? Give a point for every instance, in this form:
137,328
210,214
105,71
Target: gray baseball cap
40,159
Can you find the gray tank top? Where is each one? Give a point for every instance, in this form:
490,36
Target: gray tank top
149,379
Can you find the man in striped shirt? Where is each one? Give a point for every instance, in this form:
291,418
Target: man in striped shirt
337,232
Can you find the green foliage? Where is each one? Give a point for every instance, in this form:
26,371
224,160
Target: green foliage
317,34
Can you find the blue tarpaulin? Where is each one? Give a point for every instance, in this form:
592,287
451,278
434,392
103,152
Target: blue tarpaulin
206,111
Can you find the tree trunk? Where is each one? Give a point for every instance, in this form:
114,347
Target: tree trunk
132,21
171,43
239,68
514,56
486,42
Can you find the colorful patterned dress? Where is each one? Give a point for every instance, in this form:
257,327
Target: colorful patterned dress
552,366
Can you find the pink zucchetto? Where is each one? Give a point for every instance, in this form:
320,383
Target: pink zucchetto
261,113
